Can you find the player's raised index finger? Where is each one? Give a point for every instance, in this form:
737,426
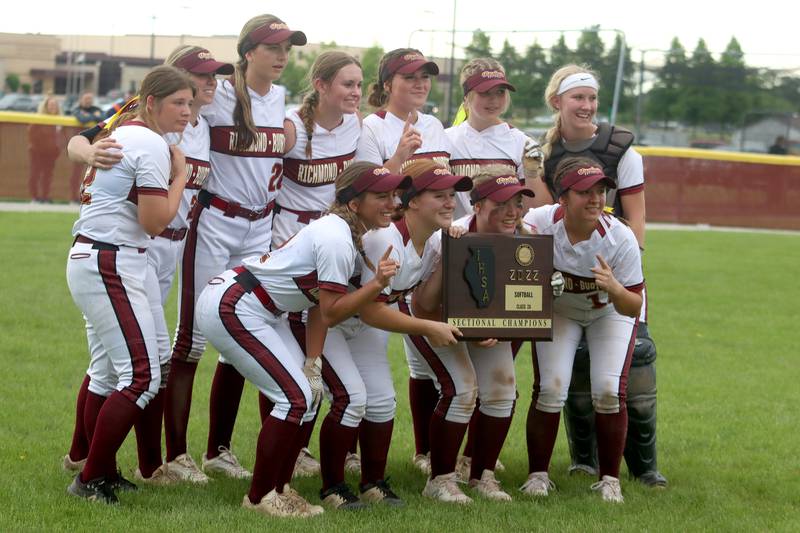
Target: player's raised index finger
387,253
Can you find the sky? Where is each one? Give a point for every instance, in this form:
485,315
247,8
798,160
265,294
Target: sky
766,30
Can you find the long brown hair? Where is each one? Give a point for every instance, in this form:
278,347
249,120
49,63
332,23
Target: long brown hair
325,68
357,228
243,124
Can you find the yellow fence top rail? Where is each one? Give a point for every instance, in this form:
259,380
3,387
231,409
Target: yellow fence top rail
718,155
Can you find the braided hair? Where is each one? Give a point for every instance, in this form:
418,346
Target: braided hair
325,68
343,210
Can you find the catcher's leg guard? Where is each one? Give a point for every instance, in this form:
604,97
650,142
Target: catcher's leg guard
579,416
640,447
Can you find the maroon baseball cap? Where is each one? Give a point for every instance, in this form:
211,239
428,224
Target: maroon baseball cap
583,178
500,189
485,80
272,33
436,179
378,179
407,64
202,62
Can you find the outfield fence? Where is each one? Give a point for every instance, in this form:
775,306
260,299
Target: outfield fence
683,186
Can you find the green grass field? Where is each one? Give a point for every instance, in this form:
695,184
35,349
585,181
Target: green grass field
723,313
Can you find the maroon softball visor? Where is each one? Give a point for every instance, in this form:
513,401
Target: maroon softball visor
272,33
202,62
583,178
485,80
499,189
378,179
407,64
436,179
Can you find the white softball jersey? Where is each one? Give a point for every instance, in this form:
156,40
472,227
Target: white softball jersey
381,134
195,143
321,255
308,184
612,239
412,265
109,198
251,176
473,150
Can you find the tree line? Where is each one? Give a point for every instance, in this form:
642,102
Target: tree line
690,88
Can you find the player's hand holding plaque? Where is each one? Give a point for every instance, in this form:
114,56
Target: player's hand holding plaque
498,286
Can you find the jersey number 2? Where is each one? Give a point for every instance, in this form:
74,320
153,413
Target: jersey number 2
276,178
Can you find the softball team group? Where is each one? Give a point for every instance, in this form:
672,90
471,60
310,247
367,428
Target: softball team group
302,238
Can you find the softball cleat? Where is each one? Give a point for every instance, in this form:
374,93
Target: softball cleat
445,489
227,464
186,469
538,484
488,487
609,489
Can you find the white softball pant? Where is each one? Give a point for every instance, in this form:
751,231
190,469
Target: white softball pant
107,285
464,372
357,374
611,339
162,261
215,243
258,344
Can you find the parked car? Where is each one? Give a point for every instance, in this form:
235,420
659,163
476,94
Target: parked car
28,103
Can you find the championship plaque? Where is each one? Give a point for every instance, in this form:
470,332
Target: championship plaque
498,286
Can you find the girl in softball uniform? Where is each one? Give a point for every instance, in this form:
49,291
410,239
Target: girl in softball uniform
398,132
321,139
471,369
162,259
395,135
232,220
572,94
484,138
355,367
121,209
599,258
242,310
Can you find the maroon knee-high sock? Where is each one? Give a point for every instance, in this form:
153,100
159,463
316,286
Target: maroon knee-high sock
265,406
177,405
226,393
375,439
422,399
113,424
286,471
91,410
612,429
354,445
148,435
541,432
79,448
308,429
473,427
446,440
490,434
271,453
334,441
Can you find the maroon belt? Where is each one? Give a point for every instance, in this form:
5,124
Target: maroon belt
248,280
233,209
97,245
174,234
303,217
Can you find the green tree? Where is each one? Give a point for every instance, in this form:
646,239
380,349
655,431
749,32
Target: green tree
737,86
531,80
664,100
12,82
480,46
590,48
560,54
701,104
370,60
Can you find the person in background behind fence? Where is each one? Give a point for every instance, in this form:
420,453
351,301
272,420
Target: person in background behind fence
44,144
